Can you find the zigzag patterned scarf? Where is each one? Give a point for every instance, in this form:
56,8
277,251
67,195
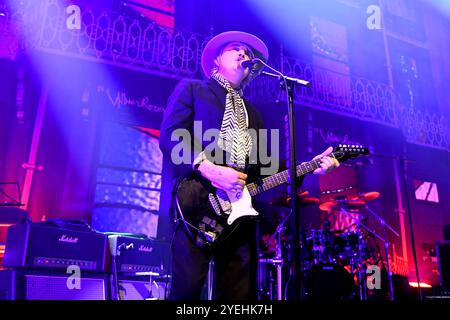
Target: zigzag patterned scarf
234,136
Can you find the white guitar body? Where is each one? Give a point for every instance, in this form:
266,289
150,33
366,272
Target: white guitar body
241,205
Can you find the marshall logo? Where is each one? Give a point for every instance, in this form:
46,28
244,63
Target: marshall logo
145,249
65,238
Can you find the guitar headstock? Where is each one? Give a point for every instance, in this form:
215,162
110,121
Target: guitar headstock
346,151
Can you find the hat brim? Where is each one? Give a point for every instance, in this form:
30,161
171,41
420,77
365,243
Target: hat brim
214,45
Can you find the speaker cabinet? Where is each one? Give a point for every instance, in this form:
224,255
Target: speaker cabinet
8,284
141,289
23,285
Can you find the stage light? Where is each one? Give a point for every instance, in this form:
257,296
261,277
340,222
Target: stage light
422,285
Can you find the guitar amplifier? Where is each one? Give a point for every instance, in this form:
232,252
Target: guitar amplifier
140,289
139,255
32,245
44,285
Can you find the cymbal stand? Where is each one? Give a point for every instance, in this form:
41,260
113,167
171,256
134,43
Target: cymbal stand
362,271
277,260
386,245
386,248
356,261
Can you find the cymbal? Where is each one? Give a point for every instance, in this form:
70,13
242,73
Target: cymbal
327,206
304,201
369,196
350,201
366,197
350,205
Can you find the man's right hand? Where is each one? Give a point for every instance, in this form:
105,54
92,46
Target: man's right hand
224,178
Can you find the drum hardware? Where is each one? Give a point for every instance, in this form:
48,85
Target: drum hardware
284,200
319,244
277,261
335,265
349,245
349,202
329,281
359,263
385,226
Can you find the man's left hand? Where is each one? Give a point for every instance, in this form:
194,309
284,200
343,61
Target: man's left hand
327,163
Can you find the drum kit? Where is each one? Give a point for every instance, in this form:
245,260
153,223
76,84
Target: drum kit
334,261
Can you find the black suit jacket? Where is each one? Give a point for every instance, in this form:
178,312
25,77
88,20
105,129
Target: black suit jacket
195,100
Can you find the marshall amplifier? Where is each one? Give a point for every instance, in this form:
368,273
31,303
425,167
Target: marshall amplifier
42,246
142,289
55,285
139,255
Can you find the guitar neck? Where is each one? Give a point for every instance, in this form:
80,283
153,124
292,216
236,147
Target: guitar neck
281,177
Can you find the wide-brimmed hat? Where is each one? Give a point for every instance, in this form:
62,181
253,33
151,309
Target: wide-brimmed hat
213,47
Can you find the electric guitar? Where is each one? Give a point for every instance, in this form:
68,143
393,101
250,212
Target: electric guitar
211,215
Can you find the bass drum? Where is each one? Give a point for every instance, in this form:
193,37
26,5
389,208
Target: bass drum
324,281
329,282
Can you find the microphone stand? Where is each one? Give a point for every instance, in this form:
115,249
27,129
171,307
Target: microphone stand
402,162
288,84
413,242
290,79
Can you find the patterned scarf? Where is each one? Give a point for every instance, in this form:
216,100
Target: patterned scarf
234,136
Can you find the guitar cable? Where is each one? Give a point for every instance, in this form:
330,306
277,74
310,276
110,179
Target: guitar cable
169,267
184,220
205,234
177,221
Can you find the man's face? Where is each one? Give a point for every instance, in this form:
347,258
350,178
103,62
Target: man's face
230,58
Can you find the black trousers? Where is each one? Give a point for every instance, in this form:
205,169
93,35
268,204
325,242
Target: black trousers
235,264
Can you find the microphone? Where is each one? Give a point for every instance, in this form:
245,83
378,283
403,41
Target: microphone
249,63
